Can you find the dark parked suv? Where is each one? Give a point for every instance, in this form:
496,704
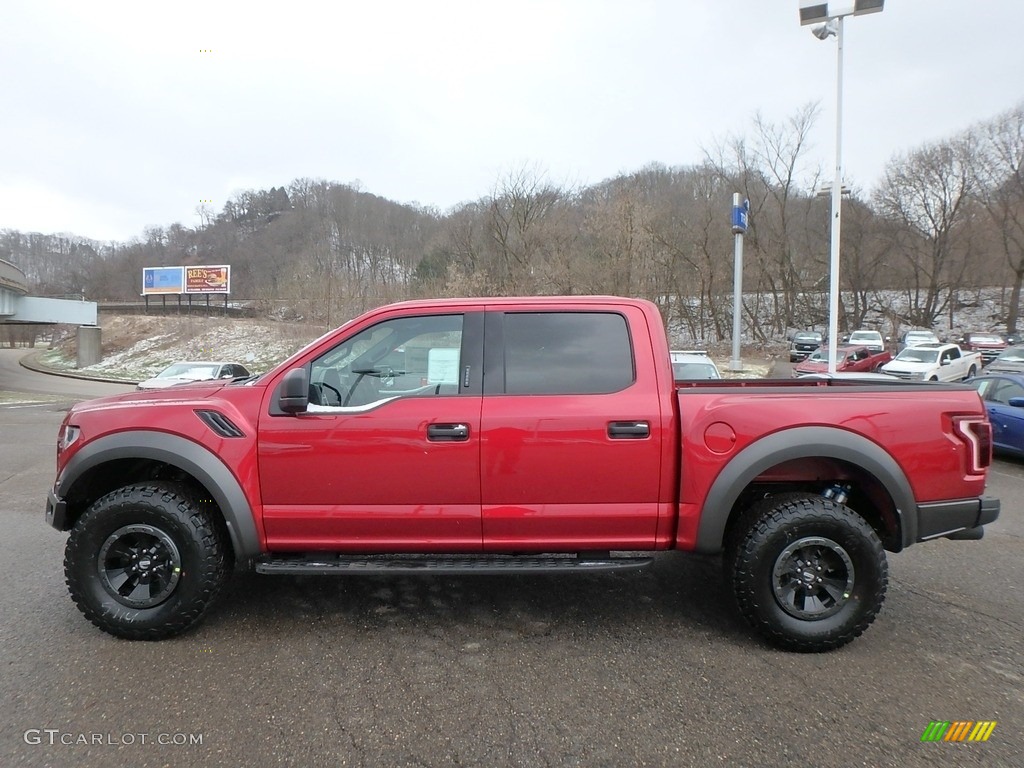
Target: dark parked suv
804,342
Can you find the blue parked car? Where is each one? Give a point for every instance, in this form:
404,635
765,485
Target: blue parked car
1003,395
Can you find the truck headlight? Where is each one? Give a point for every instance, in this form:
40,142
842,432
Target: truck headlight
66,436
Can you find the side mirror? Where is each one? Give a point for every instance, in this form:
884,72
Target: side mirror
1017,402
293,397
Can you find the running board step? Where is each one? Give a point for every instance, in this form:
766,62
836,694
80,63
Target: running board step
347,565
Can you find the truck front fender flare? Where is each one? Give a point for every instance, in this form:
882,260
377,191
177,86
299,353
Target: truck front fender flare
186,455
803,443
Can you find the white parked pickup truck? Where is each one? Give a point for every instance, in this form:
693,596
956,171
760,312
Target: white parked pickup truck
934,362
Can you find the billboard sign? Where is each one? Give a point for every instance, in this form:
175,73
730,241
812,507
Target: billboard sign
156,280
216,279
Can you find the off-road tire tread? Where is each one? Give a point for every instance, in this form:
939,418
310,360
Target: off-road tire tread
181,505
738,531
749,594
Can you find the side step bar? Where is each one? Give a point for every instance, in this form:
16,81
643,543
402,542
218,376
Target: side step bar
369,565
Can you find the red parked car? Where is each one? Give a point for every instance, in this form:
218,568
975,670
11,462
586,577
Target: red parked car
989,344
849,358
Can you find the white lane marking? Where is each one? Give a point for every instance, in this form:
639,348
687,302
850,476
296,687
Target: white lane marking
1005,474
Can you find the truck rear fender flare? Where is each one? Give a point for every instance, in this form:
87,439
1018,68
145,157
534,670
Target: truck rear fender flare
181,453
803,443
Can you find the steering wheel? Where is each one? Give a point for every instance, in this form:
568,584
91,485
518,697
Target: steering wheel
352,389
324,385
386,374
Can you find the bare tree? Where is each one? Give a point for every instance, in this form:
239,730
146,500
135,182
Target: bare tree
863,266
1000,177
927,195
520,212
771,171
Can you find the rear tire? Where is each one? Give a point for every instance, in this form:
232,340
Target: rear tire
145,562
808,574
971,373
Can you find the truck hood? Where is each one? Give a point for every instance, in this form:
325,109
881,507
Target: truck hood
904,366
200,390
813,366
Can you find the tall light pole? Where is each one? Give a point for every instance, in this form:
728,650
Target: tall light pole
832,14
740,212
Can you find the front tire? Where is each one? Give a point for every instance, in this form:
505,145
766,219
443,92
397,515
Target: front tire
809,575
145,562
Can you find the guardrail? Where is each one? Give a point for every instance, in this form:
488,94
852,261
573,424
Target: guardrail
155,308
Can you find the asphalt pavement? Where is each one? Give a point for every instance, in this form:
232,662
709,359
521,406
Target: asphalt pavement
647,668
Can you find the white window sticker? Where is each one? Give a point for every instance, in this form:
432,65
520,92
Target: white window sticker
443,366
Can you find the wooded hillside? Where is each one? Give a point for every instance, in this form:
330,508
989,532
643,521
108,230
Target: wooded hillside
945,218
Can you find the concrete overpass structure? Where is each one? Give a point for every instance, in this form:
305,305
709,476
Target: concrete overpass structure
16,306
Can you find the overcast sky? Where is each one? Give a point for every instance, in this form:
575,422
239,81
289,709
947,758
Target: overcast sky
121,115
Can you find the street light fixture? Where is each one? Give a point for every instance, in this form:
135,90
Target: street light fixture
832,14
824,31
815,11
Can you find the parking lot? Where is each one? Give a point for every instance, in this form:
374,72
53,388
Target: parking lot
642,668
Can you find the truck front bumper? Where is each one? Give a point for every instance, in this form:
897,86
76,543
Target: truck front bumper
956,519
56,511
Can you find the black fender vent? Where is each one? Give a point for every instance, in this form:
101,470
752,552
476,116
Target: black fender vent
220,423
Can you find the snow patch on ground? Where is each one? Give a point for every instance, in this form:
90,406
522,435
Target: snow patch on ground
137,348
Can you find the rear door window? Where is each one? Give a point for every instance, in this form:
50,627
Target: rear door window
554,353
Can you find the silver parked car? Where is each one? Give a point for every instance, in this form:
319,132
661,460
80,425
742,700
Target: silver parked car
185,372
1010,360
693,364
917,338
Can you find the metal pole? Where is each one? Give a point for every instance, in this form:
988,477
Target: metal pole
837,207
737,292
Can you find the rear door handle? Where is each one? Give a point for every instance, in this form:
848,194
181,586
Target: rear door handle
629,430
441,433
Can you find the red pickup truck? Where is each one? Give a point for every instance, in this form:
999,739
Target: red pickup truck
849,359
510,436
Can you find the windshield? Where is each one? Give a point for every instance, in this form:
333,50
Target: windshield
986,338
821,356
1011,355
865,336
807,337
917,355
188,371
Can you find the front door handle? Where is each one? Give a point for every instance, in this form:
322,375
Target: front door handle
447,432
629,430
